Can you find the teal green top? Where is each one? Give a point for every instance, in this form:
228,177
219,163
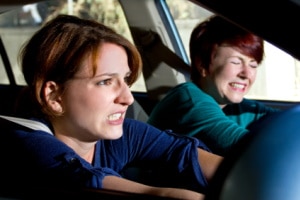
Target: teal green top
186,109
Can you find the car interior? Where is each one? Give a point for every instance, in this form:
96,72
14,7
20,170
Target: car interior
165,64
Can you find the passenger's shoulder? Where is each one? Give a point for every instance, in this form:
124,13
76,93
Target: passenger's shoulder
185,88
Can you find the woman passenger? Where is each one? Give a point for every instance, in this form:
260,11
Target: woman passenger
224,62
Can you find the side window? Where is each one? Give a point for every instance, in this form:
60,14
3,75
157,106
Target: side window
17,26
278,77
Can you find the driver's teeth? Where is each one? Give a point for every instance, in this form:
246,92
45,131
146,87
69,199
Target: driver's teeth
114,116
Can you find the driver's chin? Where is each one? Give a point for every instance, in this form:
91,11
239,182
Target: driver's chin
116,133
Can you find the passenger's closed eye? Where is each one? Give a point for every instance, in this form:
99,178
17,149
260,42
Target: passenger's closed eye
235,61
253,64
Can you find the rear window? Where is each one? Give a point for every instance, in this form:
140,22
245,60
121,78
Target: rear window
18,25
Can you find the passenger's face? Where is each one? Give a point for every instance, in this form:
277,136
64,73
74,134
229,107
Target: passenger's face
230,75
94,107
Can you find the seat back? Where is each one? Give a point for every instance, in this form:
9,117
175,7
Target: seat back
9,94
135,111
162,68
32,124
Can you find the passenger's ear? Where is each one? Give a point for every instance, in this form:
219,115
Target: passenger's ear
52,96
201,70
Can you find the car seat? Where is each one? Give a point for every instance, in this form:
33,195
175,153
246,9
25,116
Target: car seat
135,111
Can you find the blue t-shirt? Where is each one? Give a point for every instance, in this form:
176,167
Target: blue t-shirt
45,161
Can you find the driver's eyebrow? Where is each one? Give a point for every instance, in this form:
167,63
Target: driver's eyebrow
96,76
106,74
113,74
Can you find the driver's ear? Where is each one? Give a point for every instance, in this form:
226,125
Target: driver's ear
52,96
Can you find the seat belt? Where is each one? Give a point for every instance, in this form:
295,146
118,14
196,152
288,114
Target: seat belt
32,124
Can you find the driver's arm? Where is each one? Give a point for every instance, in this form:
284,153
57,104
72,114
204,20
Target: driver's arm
121,184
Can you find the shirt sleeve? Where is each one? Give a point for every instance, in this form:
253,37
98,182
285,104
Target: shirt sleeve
175,155
205,120
38,159
188,110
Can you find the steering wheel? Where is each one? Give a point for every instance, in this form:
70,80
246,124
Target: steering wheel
265,165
